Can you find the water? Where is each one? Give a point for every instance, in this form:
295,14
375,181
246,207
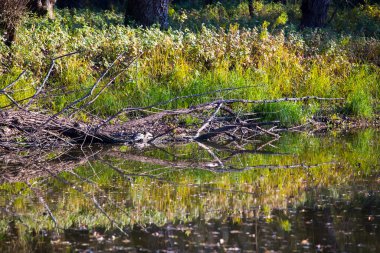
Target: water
302,193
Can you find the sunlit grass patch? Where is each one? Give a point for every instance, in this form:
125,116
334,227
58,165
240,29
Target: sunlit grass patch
287,113
359,103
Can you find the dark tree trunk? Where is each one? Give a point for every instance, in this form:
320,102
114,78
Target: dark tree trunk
251,10
314,13
69,4
10,36
43,7
148,12
11,14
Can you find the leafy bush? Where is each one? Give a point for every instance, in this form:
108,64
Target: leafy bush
363,20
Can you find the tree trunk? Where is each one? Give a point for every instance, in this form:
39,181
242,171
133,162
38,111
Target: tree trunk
314,13
11,36
11,14
148,12
251,10
50,8
43,7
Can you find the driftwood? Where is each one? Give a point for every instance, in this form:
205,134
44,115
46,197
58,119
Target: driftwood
30,129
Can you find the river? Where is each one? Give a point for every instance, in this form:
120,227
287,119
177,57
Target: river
302,193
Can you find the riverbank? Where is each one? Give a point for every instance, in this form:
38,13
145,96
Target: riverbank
85,77
226,132
138,67
216,122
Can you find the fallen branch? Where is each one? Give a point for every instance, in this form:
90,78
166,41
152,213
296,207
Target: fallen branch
36,129
87,94
41,87
208,122
13,83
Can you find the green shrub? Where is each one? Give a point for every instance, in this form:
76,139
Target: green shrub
359,103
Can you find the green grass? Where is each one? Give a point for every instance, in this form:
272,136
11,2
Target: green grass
287,113
206,49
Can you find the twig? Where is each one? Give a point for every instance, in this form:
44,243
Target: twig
216,158
12,100
14,82
52,64
269,101
107,85
87,94
267,143
268,132
208,122
43,202
3,91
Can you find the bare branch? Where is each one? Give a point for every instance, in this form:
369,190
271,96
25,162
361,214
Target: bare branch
52,64
14,82
208,122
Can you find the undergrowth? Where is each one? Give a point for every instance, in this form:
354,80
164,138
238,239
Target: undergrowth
206,49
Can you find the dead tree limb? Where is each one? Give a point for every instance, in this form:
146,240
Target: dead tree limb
129,110
271,101
268,132
41,87
226,128
14,82
88,94
208,122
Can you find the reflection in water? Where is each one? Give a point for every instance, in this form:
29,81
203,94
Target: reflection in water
299,194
